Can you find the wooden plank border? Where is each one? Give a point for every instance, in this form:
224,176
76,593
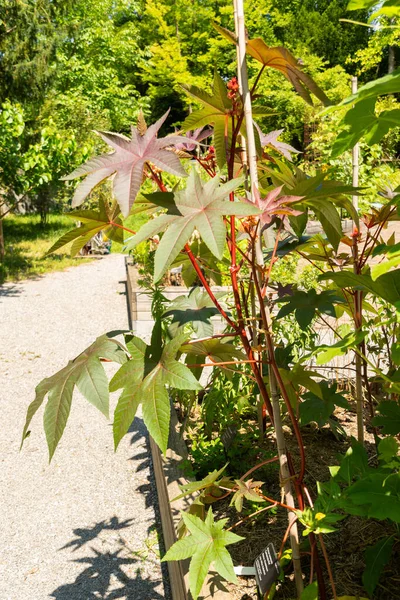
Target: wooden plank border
168,477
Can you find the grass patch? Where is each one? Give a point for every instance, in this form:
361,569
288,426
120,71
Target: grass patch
27,241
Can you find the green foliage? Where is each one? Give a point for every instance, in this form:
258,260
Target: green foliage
201,206
195,309
144,378
206,544
376,558
306,304
388,417
87,373
320,409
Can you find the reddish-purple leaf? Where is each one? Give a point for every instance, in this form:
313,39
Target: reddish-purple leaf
275,205
127,163
271,139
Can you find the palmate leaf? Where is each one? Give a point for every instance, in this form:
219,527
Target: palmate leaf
275,204
248,490
306,304
195,309
388,417
361,121
93,221
205,545
282,60
317,409
195,486
127,163
144,379
216,350
379,493
386,286
376,558
326,352
87,373
202,206
217,110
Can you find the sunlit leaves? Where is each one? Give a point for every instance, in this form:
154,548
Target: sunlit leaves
361,121
106,219
386,286
144,379
249,490
87,373
205,545
202,206
216,111
127,163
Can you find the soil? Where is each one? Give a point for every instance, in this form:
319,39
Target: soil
345,547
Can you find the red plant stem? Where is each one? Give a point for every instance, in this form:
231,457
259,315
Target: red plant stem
281,504
261,464
285,537
273,256
279,379
221,364
208,289
122,227
212,337
252,515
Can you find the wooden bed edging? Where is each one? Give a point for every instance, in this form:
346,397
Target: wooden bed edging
168,477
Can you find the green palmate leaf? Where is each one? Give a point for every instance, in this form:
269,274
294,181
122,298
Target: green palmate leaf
144,379
319,410
389,84
310,592
361,121
92,222
376,558
216,111
127,163
353,464
87,373
215,350
202,206
206,545
393,260
208,482
306,304
388,417
195,309
388,449
386,286
379,493
326,352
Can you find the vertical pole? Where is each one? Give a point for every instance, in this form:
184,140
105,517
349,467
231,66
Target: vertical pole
252,163
355,155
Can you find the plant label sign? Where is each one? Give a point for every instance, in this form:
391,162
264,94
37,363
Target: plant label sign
267,568
228,436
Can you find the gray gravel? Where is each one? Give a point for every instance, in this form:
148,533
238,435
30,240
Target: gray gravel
82,528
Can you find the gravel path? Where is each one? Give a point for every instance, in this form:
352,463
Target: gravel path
82,528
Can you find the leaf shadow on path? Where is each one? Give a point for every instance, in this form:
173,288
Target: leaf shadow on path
117,574
102,569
